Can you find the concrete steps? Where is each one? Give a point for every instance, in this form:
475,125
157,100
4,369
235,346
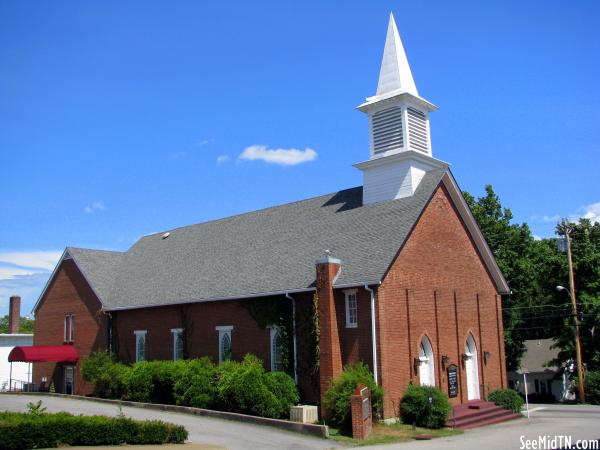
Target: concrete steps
477,413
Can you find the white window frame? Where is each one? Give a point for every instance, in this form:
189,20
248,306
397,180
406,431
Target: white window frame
176,332
224,330
140,334
348,294
274,331
69,328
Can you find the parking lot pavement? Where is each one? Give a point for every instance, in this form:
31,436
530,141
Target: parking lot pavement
576,421
202,430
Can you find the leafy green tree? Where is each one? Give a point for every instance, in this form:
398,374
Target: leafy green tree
25,325
513,246
585,247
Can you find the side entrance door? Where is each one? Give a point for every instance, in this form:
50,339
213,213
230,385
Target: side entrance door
472,369
69,381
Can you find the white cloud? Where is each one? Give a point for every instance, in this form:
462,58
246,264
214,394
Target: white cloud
35,260
591,212
98,205
222,159
203,142
551,219
10,273
281,156
29,287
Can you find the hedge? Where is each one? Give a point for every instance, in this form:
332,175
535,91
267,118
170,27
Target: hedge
22,431
244,387
507,399
424,406
337,398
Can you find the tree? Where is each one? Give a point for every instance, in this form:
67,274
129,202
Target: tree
25,325
585,247
514,248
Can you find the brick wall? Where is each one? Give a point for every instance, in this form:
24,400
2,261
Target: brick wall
198,321
69,293
433,288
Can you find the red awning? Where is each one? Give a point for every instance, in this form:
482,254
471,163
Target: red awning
43,353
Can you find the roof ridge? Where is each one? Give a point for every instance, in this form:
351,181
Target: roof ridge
246,213
70,247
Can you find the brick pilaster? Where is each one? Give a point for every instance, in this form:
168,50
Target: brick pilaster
330,364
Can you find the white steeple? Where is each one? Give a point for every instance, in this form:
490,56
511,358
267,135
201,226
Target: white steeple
399,129
395,72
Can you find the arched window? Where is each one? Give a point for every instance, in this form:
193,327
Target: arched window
276,350
225,347
224,342
426,363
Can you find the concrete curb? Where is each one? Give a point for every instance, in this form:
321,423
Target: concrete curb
321,431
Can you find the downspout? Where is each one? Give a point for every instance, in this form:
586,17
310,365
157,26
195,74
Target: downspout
294,334
373,333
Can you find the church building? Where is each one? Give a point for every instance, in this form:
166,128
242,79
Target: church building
395,272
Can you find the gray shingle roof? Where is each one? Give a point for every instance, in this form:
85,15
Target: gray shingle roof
537,354
265,251
98,267
258,253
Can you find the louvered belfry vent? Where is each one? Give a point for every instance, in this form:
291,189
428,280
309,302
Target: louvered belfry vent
387,130
417,130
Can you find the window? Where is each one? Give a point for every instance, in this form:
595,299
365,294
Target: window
177,343
351,309
224,342
276,350
69,328
140,345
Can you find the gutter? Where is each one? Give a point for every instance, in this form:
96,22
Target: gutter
287,295
373,333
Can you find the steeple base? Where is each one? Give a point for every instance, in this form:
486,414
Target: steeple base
395,176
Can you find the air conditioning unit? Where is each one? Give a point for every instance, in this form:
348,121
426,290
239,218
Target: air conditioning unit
304,414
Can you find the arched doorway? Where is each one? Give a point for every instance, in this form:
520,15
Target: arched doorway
426,363
471,369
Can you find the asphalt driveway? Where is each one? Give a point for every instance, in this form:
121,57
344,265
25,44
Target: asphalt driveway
577,421
202,430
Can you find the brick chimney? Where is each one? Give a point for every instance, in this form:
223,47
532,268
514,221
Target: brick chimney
14,314
330,364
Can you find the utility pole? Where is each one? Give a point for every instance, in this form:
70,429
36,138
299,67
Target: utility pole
568,229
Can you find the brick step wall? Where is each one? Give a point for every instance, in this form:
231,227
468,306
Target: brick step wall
478,413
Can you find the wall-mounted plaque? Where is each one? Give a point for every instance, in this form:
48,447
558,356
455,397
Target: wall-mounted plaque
452,380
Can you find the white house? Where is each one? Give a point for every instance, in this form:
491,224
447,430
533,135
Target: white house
21,371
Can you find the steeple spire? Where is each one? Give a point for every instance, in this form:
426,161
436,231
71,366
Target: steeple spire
399,129
395,74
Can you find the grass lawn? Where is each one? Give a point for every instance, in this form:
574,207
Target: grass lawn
397,432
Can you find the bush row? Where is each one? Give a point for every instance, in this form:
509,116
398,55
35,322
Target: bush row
243,387
22,431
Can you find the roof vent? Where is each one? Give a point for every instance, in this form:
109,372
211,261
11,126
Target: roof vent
166,235
417,130
387,130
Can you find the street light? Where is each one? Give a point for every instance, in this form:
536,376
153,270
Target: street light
571,293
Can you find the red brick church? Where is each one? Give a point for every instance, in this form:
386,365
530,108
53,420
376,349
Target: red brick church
396,271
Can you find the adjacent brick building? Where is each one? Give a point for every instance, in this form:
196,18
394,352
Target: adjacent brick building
396,272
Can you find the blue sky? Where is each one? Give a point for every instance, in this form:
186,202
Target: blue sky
118,119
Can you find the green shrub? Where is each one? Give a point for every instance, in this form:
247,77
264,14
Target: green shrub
107,376
424,406
21,431
507,398
196,384
246,388
337,397
285,391
138,382
592,387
